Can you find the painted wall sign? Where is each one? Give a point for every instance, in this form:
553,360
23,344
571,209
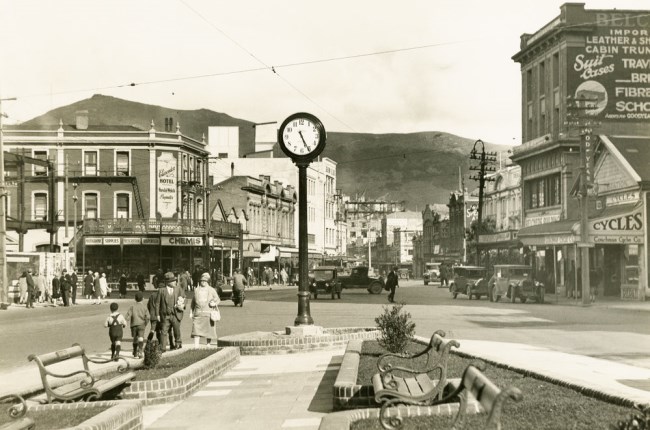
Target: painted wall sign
537,220
182,241
131,241
111,241
620,229
93,241
151,241
166,184
613,67
621,199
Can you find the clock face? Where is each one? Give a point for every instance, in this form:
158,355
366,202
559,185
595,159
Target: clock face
302,135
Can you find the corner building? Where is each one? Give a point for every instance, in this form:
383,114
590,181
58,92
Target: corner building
604,56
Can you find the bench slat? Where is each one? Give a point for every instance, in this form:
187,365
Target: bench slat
413,387
61,355
426,384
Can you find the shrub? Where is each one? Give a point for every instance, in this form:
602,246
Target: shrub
396,328
639,420
152,354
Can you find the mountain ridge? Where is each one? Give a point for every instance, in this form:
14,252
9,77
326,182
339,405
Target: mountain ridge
417,168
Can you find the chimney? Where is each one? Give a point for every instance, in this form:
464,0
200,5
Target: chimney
81,120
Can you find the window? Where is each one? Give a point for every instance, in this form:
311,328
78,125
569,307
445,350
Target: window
184,167
122,205
40,170
544,192
40,207
122,163
90,163
91,206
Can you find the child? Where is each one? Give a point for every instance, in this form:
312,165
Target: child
138,318
115,323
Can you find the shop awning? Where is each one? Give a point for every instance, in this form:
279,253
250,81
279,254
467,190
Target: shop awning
552,233
286,251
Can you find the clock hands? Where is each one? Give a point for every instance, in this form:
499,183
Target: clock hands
303,140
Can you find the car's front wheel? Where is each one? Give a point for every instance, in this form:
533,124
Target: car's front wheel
512,294
495,296
469,292
375,288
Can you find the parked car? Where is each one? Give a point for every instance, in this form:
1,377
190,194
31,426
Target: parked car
515,281
224,288
324,279
469,280
431,273
403,273
359,278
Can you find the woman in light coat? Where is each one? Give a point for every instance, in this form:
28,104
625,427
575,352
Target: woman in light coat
22,284
204,301
103,285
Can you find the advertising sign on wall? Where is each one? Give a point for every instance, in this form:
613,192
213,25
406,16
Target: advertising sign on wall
613,68
166,184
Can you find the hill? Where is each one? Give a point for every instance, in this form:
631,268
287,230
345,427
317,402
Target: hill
417,168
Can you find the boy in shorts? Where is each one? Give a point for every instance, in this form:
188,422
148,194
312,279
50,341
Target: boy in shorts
115,323
138,317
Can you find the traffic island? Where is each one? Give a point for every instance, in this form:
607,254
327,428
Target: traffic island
288,342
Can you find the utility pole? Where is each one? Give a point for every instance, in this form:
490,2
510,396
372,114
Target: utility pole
484,159
4,288
585,128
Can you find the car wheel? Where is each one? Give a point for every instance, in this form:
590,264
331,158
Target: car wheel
512,294
469,293
375,288
490,298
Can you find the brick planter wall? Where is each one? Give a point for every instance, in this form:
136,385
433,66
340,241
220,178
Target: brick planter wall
347,394
184,382
262,343
121,415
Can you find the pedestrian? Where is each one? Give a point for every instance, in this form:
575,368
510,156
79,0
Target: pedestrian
22,285
39,287
392,283
98,295
30,289
56,290
238,287
444,274
122,285
73,281
171,305
284,276
140,280
184,280
276,276
152,307
205,300
88,285
138,318
64,286
115,323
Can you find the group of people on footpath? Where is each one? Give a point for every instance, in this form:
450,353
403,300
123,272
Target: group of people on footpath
165,310
35,288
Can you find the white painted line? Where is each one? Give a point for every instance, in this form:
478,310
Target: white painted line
212,393
223,383
301,422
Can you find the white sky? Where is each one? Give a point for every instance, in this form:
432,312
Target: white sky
57,52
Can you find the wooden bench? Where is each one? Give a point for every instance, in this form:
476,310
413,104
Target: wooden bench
89,387
414,384
472,385
17,412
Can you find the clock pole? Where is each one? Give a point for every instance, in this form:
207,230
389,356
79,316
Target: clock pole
304,316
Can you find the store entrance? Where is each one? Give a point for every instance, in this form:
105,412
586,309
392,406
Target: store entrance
612,257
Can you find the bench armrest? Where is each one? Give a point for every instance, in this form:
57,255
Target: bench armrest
406,356
122,367
389,382
19,409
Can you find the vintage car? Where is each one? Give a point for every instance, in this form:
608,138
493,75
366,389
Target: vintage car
359,278
223,285
514,281
324,279
469,280
403,273
431,273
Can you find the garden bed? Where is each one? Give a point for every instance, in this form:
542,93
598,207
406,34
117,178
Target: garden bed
545,405
102,415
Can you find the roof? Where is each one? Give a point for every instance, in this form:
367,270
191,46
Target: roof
66,127
632,151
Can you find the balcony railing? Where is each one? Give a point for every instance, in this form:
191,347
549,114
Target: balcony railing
124,226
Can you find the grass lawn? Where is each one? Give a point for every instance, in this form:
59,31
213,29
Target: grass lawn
545,406
54,419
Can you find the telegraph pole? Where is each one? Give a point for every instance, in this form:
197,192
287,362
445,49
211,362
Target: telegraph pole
4,288
585,129
484,159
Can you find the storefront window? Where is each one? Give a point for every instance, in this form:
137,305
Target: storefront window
631,264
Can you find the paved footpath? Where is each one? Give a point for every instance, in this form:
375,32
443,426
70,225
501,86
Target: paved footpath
291,391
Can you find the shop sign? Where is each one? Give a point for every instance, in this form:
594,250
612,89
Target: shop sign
621,199
182,241
150,241
531,221
559,240
112,241
131,241
93,241
503,236
617,239
625,228
166,185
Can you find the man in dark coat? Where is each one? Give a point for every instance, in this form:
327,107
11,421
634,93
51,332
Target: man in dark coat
64,286
171,304
152,306
392,284
73,281
30,289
